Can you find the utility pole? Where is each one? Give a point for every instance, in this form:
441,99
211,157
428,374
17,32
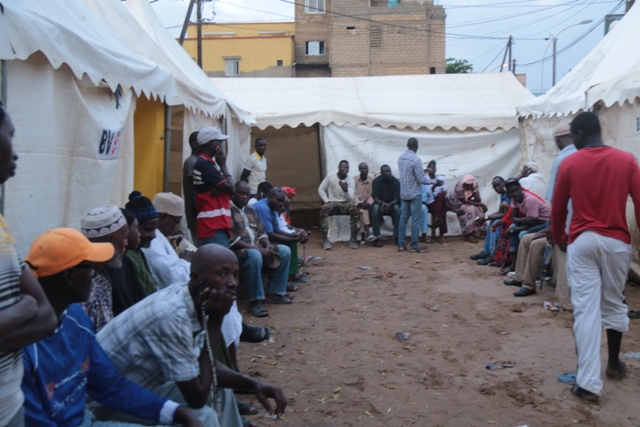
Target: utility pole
553,78
513,69
187,18
507,51
199,24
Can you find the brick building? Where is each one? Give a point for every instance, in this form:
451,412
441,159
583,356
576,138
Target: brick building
339,38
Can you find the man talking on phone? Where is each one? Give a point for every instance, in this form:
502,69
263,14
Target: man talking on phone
213,186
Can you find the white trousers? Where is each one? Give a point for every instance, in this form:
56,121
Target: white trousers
597,268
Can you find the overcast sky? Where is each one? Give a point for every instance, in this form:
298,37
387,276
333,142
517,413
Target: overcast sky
477,30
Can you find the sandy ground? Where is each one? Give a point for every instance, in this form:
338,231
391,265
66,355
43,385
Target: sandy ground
335,354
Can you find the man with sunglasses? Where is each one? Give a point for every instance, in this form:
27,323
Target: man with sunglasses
60,370
213,186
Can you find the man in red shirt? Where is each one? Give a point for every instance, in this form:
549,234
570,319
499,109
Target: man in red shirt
213,186
598,179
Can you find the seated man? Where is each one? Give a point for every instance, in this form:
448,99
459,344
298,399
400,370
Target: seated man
251,244
385,191
491,238
363,201
60,370
530,214
531,180
126,282
167,343
104,224
263,192
530,257
337,192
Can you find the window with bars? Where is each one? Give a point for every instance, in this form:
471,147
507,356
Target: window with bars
314,6
375,36
315,48
233,67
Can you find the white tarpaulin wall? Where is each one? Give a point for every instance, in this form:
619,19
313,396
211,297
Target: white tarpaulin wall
59,124
482,154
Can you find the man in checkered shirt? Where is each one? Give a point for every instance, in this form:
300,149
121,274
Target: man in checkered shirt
412,176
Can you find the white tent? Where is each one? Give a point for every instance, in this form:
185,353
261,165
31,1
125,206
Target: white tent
606,82
72,88
467,122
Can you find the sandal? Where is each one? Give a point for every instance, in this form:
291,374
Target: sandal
292,288
471,239
258,311
246,408
248,423
419,250
277,299
584,394
254,334
402,248
620,375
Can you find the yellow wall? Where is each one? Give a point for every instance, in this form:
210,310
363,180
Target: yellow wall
148,127
257,48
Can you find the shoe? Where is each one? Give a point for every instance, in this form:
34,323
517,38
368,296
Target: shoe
377,243
524,292
511,274
370,236
353,244
512,283
419,250
484,261
481,255
363,242
254,334
326,245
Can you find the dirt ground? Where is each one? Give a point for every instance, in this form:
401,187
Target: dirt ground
335,354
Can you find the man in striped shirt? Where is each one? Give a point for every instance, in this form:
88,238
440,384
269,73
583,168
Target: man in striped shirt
25,313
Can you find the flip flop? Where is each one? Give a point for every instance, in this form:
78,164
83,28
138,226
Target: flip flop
584,395
258,311
246,408
620,375
254,334
402,248
419,250
277,299
292,288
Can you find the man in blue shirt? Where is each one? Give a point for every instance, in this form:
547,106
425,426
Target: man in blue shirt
60,370
491,239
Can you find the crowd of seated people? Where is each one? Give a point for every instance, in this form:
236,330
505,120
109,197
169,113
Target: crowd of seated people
142,318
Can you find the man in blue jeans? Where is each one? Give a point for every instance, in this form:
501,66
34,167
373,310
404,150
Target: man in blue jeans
412,176
491,239
251,244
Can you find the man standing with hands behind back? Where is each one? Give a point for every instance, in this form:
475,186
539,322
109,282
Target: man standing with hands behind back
213,185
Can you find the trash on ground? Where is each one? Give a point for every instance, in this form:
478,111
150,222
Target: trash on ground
435,307
632,355
567,378
402,336
365,267
271,416
553,306
499,366
634,314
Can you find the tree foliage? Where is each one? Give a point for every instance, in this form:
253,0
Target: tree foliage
454,66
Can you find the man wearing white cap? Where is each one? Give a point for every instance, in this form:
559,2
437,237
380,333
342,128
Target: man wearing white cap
100,225
564,142
213,185
531,180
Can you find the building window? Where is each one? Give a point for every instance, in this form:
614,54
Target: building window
375,36
279,63
233,67
315,48
432,70
351,30
314,6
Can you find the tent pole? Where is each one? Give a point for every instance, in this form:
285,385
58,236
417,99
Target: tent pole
3,100
167,147
199,25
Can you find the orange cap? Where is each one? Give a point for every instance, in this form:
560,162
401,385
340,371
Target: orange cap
62,248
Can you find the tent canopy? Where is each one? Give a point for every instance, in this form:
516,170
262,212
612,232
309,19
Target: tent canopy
444,101
67,32
607,74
